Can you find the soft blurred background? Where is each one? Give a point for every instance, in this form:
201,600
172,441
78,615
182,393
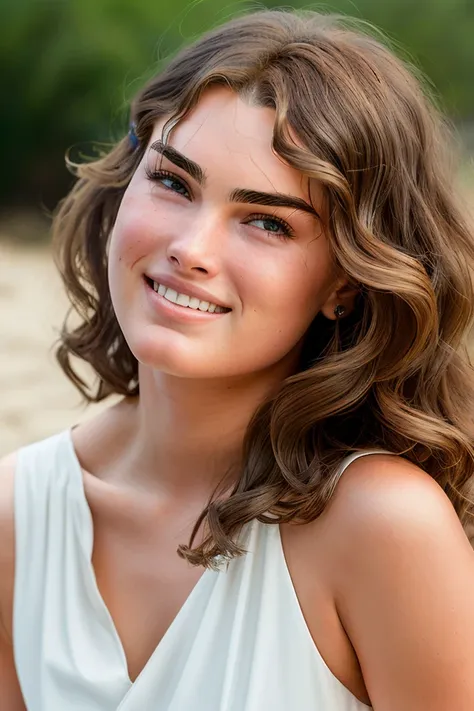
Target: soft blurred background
70,68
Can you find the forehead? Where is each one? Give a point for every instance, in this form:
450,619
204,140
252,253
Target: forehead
225,134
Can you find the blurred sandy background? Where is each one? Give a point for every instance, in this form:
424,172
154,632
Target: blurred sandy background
36,400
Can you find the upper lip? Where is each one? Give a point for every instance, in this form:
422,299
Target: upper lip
183,287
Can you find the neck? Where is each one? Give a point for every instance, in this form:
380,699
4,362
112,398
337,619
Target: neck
182,436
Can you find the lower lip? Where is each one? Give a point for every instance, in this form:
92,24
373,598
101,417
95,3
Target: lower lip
179,313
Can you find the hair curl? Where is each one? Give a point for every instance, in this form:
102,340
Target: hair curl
395,373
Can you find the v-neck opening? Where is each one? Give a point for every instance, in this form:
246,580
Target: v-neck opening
99,600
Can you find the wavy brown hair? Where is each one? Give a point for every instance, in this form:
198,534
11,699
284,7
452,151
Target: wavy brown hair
395,373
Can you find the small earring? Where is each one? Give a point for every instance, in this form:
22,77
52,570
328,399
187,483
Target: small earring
339,311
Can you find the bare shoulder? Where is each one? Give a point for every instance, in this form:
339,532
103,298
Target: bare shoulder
384,508
7,464
7,473
7,540
403,572
382,490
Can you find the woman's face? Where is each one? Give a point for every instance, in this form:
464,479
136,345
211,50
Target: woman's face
209,227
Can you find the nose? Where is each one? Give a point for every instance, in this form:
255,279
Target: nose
198,247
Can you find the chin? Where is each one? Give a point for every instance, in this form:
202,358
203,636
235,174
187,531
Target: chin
168,357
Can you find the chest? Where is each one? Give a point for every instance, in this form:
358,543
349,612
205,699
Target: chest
141,579
144,585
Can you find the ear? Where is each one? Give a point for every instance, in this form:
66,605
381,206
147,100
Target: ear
343,294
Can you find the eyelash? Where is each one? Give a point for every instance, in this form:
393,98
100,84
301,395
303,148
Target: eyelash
287,232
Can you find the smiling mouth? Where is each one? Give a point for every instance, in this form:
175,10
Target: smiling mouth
185,301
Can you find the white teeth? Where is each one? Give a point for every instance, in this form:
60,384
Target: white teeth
171,295
183,300
186,301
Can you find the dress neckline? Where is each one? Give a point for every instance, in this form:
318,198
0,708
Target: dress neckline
205,583
98,601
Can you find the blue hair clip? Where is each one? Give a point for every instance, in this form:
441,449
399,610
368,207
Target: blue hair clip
132,136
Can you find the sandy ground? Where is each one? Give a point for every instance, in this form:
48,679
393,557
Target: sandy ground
36,398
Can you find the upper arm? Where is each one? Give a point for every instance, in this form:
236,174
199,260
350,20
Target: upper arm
10,694
405,587
11,698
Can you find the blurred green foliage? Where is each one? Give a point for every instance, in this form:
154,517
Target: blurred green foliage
70,68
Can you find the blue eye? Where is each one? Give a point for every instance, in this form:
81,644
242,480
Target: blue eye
169,181
272,225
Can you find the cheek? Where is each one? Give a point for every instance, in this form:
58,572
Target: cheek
134,233
291,290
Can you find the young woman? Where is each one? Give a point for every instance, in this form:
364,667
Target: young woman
272,271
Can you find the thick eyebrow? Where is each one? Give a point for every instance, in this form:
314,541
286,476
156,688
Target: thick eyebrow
255,197
240,195
186,164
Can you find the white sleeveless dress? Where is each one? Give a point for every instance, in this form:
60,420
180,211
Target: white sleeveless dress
239,643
